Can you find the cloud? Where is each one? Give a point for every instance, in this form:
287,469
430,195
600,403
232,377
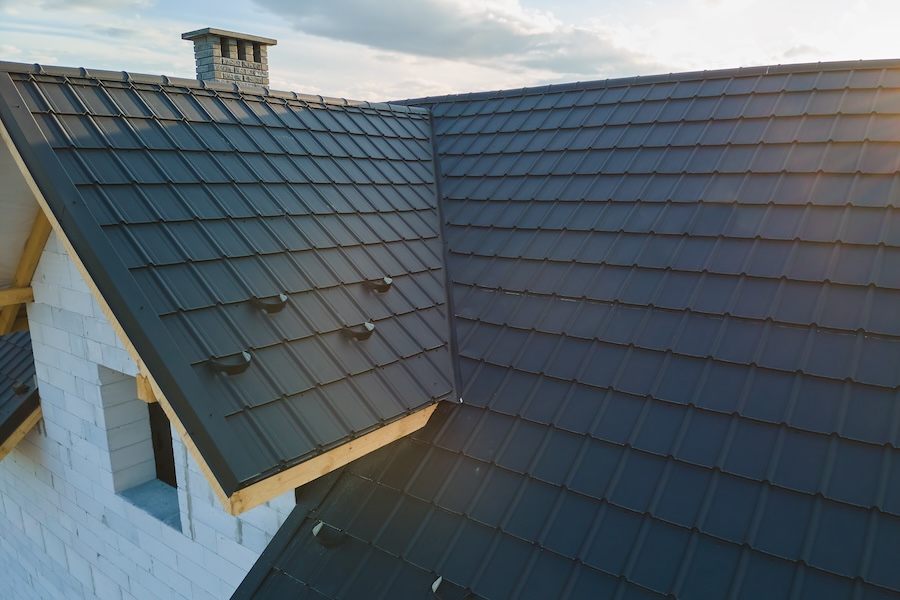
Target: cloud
474,31
115,32
83,5
801,51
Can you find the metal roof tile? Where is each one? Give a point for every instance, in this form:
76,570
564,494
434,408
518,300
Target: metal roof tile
461,561
712,568
801,464
882,569
731,508
840,533
654,566
759,397
784,524
766,576
873,421
613,540
855,473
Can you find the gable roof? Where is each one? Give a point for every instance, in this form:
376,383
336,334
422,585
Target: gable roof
675,300
200,211
19,400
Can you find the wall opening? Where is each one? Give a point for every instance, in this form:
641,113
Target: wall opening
141,458
161,437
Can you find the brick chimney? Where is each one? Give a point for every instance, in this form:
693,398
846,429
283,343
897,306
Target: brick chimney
230,57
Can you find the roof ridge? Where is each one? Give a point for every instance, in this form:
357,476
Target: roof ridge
751,71
215,86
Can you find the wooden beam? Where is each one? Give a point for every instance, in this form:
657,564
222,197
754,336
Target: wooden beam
144,389
271,487
31,253
15,296
20,432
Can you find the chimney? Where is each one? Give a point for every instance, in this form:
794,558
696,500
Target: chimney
230,57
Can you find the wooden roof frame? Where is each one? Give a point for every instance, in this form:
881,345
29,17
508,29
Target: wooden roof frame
11,299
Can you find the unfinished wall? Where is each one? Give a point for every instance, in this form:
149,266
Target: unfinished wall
66,532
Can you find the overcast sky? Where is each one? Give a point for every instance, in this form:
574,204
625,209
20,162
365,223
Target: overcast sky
394,49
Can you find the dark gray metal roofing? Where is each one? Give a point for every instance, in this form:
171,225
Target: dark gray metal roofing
186,201
676,304
18,390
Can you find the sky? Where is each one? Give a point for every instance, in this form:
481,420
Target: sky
394,49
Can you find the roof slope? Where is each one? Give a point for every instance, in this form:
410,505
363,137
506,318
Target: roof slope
676,300
18,390
196,207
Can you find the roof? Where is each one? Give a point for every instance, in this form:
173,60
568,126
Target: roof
676,305
18,390
200,211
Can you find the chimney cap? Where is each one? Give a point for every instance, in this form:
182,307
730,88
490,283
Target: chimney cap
199,33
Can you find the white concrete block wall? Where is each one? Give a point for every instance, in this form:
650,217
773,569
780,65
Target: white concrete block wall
127,424
64,531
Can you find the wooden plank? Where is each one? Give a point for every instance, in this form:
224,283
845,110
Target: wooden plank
20,432
14,296
31,253
272,487
144,389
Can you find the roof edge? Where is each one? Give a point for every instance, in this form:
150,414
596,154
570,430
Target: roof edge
213,86
753,71
275,484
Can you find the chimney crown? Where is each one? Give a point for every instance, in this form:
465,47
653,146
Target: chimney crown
229,56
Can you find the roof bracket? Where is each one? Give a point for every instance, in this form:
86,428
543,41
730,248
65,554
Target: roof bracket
363,332
450,591
231,367
272,304
328,536
379,285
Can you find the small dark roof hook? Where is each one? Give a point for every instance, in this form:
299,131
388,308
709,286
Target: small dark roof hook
380,285
272,304
467,594
230,367
328,536
360,333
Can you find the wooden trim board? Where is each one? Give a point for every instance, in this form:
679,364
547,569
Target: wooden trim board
15,296
285,481
144,389
31,253
20,432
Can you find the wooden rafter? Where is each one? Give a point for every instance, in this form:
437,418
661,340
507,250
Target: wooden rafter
144,389
15,296
37,239
20,432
